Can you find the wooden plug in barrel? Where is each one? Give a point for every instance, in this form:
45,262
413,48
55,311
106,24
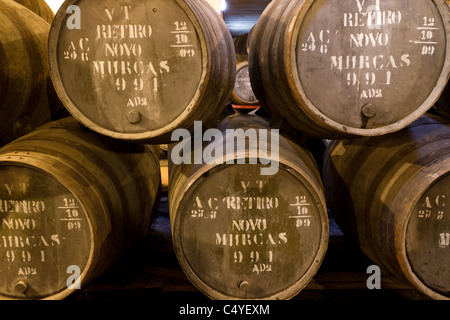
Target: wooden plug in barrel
72,202
139,70
40,7
239,234
27,97
390,195
335,69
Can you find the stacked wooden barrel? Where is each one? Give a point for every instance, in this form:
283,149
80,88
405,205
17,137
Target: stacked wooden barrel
140,70
70,199
240,232
249,217
390,193
27,97
349,71
78,193
336,69
242,96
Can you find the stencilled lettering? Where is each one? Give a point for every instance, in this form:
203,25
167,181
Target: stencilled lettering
432,211
254,239
371,24
125,56
71,214
426,36
25,238
303,217
444,240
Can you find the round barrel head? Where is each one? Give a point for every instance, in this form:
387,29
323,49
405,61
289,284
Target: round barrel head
428,238
241,235
129,70
45,241
371,66
243,92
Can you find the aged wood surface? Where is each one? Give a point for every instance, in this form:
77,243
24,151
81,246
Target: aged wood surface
240,234
334,69
241,48
72,203
152,271
40,7
389,194
141,70
242,94
27,97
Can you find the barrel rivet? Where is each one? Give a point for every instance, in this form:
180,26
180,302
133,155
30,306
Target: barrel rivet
133,116
20,286
369,110
243,285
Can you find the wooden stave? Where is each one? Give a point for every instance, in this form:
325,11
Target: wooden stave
119,215
362,192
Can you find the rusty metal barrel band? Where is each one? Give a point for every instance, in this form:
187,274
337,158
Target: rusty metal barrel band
44,232
249,236
376,62
132,67
428,237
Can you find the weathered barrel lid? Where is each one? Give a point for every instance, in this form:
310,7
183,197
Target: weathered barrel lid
426,236
266,241
242,92
401,219
367,68
46,237
143,62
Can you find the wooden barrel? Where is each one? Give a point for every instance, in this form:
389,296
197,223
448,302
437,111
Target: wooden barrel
27,97
71,201
359,68
239,234
242,95
390,194
40,7
442,106
137,71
